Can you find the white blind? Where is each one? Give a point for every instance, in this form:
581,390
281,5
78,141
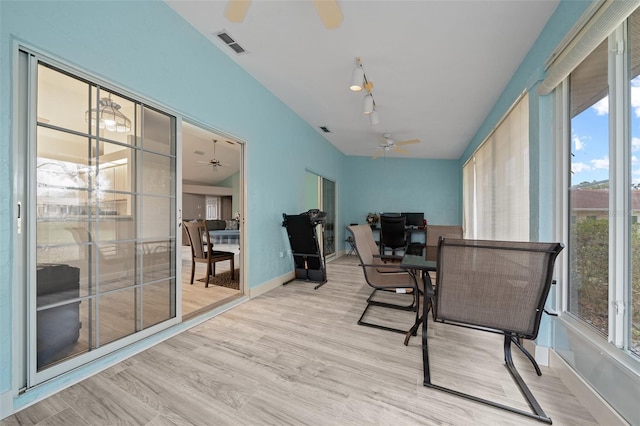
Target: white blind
496,181
610,15
468,199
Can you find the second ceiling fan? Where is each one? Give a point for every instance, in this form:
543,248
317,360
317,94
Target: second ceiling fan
214,162
390,144
328,10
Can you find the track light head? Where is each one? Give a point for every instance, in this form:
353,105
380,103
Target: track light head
357,78
368,104
374,118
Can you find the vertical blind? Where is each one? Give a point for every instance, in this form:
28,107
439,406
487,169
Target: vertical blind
496,181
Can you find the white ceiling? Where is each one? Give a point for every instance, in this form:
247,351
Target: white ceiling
438,67
197,152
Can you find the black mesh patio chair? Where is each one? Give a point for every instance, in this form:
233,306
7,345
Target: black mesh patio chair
383,276
494,286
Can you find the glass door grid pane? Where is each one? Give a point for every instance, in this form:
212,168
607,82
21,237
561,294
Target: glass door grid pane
98,270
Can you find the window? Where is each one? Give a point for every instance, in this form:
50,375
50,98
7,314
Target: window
496,181
589,190
632,292
604,195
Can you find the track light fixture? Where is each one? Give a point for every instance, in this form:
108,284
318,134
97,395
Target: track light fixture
374,118
359,81
357,77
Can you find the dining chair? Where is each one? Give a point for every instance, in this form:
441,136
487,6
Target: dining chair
381,276
433,235
202,249
491,286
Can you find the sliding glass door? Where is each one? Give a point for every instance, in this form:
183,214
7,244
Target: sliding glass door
329,206
320,193
101,222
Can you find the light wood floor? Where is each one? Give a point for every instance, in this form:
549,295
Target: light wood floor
195,297
296,356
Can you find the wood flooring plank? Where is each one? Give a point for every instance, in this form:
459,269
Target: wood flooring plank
65,417
38,412
105,404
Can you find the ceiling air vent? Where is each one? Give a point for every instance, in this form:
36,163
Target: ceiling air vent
229,41
325,129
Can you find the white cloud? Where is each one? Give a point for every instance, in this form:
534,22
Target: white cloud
635,96
602,163
580,167
578,143
635,143
602,106
634,159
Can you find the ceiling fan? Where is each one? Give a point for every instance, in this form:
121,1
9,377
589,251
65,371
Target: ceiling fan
213,162
328,10
391,145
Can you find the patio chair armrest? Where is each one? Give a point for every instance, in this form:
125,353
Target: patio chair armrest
392,267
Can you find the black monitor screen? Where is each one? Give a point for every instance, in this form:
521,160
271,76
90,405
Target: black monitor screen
414,219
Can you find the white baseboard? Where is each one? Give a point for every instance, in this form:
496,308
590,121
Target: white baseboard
270,285
589,398
540,353
6,404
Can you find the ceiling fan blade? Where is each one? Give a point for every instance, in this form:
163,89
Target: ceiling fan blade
203,162
329,13
400,150
409,142
236,10
377,154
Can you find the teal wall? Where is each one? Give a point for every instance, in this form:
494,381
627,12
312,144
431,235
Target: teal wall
433,187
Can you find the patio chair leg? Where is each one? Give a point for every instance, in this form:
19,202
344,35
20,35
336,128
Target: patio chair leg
425,353
527,354
538,412
371,302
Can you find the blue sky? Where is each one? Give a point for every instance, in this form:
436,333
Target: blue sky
590,140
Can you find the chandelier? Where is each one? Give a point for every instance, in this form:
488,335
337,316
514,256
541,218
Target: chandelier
108,116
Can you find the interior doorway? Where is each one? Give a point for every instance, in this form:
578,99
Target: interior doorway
212,191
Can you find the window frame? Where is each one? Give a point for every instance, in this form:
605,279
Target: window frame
616,345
